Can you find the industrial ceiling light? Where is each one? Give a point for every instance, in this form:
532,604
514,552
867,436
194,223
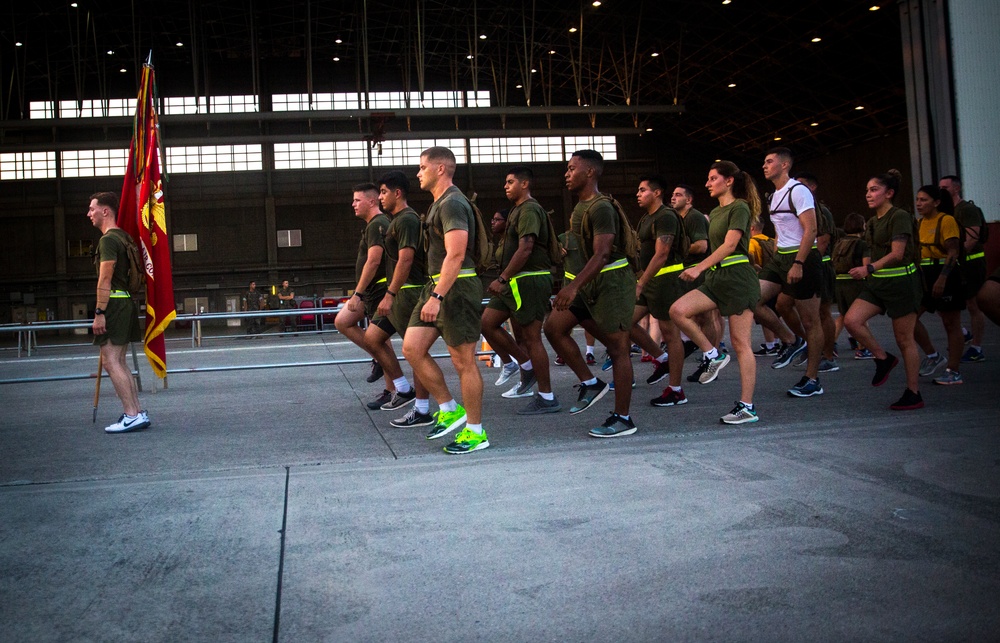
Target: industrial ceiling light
777,138
655,54
859,108
336,59
731,85
813,124
572,29
469,57
482,36
874,7
518,86
817,39
123,70
111,52
596,3
180,44
649,129
552,51
534,71
339,41
726,1
74,5
21,44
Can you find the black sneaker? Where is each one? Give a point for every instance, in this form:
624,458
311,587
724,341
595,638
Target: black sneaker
615,426
883,367
384,398
670,397
589,395
909,402
660,370
702,367
413,418
788,353
764,351
689,348
376,373
806,388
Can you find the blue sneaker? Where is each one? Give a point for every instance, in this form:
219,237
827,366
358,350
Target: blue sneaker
973,355
606,366
806,388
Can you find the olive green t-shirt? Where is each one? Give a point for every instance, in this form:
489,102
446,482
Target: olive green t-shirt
450,212
112,247
603,219
696,226
373,235
825,225
573,262
880,231
527,219
735,216
970,216
404,232
662,223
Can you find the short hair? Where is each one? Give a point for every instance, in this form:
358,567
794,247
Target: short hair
503,213
782,152
854,223
655,181
368,188
441,155
808,176
396,180
592,157
953,178
522,173
687,188
107,199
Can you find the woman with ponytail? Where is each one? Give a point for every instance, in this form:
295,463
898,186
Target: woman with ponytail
892,287
731,285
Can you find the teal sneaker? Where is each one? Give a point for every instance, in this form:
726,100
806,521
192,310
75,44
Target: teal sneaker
446,423
615,426
467,441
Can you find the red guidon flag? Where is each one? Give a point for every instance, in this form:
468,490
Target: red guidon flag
142,215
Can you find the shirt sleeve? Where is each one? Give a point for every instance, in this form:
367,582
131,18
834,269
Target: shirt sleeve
902,224
697,229
802,200
408,232
739,217
604,219
454,215
529,223
949,228
665,226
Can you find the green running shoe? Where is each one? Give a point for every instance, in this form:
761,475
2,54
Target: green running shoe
467,441
447,422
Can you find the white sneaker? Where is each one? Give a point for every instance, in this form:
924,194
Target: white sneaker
126,423
507,371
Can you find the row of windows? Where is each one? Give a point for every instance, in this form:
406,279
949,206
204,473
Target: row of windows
242,104
300,156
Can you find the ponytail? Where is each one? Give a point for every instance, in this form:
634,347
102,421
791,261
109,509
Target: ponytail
743,187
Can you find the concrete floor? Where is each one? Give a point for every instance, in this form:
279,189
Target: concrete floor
832,519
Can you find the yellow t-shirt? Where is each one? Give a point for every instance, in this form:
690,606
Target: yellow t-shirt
928,232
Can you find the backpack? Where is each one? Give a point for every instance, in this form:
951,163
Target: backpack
553,248
136,269
845,254
768,247
823,225
630,240
937,237
481,254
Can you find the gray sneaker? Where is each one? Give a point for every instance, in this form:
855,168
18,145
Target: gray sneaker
713,367
399,400
589,395
828,366
522,388
539,406
507,371
929,365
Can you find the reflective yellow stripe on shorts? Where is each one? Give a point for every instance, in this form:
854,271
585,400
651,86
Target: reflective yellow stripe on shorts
978,255
569,276
380,281
827,258
615,265
901,271
844,277
732,260
405,286
789,250
120,294
513,284
666,270
932,262
464,272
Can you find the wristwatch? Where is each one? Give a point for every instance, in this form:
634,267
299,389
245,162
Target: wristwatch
502,279
98,311
871,269
437,296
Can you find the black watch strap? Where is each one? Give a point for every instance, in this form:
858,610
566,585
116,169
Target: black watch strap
437,296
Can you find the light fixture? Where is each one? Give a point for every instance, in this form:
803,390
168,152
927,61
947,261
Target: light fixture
718,160
726,1
74,5
123,70
777,138
336,59
817,39
731,85
859,108
21,44
874,7
180,44
518,86
552,51
339,41
649,129
482,36
655,54
469,57
111,52
572,29
813,124
534,71
596,3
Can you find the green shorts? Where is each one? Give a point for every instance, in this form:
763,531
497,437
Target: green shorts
974,274
953,298
827,289
122,321
534,292
846,291
402,308
896,296
372,298
733,288
460,318
609,299
661,293
811,284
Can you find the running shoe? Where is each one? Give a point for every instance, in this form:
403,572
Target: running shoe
966,335
413,418
399,400
788,352
713,367
863,353
949,378
646,358
698,372
591,360
764,351
383,398
660,370
507,371
670,397
540,406
588,395
929,365
635,350
801,360
606,366
741,414
883,367
466,442
523,387
376,373
447,421
611,384
828,365
973,355
126,423
614,427
560,361
806,388
909,402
